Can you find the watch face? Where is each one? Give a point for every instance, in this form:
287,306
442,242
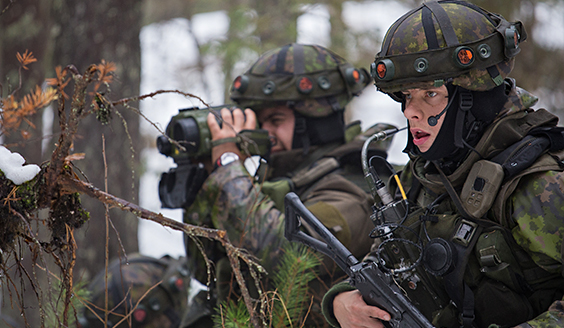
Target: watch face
227,158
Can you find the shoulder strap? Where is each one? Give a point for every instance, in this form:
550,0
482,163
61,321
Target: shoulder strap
521,155
551,161
541,150
278,188
321,168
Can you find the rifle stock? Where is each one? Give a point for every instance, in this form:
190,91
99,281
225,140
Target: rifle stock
377,288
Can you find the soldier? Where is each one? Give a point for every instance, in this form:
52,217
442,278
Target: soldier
484,182
299,94
142,292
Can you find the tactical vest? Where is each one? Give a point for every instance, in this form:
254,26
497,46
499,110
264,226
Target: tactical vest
342,160
468,270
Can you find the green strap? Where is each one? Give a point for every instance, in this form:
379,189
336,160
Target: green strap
215,143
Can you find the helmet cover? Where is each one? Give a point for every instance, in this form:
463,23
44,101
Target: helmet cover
310,79
447,41
153,291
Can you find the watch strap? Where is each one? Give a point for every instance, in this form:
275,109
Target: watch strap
215,143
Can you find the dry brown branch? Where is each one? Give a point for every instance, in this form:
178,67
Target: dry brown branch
57,186
70,184
78,105
125,102
152,94
7,7
107,244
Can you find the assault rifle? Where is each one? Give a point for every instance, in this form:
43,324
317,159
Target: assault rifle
377,288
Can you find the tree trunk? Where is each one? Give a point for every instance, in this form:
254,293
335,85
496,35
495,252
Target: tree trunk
89,32
26,25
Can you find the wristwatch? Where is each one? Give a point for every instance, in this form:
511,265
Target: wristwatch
227,158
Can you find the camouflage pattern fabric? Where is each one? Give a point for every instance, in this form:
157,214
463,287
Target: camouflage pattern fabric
230,201
554,317
536,214
538,211
142,292
471,24
534,211
233,201
474,27
280,75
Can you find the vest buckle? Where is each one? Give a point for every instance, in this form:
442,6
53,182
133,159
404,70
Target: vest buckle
465,232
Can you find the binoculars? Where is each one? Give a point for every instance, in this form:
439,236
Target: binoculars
189,129
188,142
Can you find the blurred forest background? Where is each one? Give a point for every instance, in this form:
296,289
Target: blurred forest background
83,32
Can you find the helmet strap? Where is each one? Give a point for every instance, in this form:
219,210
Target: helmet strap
334,103
315,131
429,28
281,59
301,138
466,102
444,22
497,78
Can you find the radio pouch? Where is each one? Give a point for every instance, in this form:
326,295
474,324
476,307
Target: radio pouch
481,187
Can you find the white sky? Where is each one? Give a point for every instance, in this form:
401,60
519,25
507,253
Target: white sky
549,28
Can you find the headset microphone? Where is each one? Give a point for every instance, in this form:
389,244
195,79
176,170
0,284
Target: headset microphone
433,120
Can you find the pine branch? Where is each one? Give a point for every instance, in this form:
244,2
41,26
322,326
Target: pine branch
295,272
288,304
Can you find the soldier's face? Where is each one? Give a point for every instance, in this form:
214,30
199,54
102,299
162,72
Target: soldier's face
279,122
420,104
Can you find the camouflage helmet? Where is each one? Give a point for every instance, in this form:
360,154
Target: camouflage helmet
447,41
152,292
310,79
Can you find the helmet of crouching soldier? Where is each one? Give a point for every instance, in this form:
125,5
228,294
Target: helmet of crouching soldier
144,292
457,44
312,80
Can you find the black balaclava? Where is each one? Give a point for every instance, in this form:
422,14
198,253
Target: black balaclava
464,123
311,131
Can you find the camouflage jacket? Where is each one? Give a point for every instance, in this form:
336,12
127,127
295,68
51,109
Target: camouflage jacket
515,268
252,214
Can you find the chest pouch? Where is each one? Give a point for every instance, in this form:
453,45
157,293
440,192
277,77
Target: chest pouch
436,285
441,255
498,262
481,187
304,178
